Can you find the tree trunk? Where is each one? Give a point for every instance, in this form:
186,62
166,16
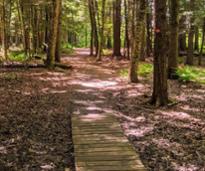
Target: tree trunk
202,44
160,87
196,45
174,39
117,28
137,34
4,33
101,25
54,34
149,33
190,54
144,35
93,26
127,40
182,34
58,40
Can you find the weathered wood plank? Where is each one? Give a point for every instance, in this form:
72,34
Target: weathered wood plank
103,149
103,145
104,139
99,142
100,145
110,168
106,158
106,153
96,134
111,163
96,130
96,126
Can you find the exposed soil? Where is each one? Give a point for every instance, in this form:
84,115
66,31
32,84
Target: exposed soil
36,106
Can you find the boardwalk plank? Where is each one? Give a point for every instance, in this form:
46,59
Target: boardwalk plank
100,145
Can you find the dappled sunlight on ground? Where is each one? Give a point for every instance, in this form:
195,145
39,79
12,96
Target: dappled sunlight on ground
171,138
178,116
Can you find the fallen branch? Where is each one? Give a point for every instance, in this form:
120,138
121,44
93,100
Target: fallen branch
32,66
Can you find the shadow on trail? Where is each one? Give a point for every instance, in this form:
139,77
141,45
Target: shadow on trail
166,138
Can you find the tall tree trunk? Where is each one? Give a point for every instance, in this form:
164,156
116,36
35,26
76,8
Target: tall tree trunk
144,35
174,39
127,40
54,34
196,43
94,7
202,43
160,87
58,40
101,25
117,28
190,54
182,34
92,18
137,38
4,33
149,32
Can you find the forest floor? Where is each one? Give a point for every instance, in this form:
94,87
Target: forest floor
36,106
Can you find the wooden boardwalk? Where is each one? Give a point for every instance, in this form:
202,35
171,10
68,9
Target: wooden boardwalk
100,145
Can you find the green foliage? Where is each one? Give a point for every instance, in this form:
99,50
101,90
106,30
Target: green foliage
145,69
185,73
67,48
19,56
194,74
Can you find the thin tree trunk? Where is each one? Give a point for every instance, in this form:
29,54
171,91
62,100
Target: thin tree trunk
117,28
127,40
4,34
190,54
101,25
174,39
196,45
202,44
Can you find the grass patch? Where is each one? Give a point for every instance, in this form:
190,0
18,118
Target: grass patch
67,48
191,74
19,56
145,69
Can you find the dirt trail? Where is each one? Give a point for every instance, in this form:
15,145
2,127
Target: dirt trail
171,138
36,105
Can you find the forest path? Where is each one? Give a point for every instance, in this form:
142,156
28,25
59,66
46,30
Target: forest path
99,142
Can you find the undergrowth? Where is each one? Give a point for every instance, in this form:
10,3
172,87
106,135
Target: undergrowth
185,73
67,48
19,56
145,69
191,74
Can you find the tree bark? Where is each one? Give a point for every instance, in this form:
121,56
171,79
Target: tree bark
54,34
117,28
4,33
137,34
101,25
202,43
174,39
190,56
160,87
